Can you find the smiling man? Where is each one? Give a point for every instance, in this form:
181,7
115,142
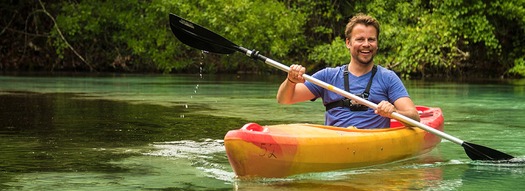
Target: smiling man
360,77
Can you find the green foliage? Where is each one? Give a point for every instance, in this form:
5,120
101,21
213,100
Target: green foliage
140,29
418,38
519,67
333,54
113,32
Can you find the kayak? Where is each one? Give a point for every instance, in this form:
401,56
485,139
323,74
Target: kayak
284,150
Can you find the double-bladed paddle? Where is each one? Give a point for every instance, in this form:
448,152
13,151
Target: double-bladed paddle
201,38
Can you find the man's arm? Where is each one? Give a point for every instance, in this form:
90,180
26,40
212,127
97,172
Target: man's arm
403,106
293,90
406,107
290,93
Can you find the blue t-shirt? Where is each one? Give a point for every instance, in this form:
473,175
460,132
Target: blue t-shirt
386,85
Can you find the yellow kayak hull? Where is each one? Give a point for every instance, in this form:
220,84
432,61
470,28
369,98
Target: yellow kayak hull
284,150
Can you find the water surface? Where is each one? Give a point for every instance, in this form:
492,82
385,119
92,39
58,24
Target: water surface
164,132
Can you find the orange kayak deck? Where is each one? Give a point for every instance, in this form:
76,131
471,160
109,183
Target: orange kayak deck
284,150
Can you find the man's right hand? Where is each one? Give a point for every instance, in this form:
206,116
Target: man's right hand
295,75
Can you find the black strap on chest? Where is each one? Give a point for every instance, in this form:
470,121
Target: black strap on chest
347,102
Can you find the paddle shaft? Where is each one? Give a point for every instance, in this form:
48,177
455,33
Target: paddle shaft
348,95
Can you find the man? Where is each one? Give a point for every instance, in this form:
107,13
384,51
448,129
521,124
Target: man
363,78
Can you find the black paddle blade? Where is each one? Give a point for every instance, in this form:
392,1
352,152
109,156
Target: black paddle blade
478,152
199,37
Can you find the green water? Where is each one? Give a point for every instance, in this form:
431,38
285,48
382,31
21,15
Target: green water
164,132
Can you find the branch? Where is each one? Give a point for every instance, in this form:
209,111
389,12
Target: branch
7,27
64,38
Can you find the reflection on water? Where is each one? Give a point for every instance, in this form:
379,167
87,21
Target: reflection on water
57,141
162,132
401,176
142,173
406,175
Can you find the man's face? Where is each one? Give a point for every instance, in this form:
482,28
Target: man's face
362,44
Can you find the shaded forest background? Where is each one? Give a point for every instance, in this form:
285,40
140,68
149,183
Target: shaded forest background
419,38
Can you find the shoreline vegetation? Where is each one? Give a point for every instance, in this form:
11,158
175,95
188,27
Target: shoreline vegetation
418,40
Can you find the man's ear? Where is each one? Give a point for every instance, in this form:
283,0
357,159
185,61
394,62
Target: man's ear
347,42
